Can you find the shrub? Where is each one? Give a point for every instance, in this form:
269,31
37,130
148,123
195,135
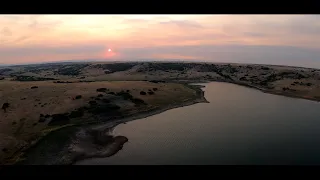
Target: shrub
143,93
104,109
93,102
77,113
138,102
5,106
125,95
62,82
249,67
34,87
105,100
100,95
111,93
78,97
155,89
42,120
155,81
59,119
4,150
101,89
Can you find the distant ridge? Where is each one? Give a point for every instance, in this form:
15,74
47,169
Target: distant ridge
143,60
98,60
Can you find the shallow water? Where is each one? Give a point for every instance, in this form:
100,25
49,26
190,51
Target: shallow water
239,126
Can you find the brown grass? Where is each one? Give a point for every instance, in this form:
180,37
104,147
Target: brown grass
19,125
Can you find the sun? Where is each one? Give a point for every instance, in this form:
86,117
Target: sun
109,53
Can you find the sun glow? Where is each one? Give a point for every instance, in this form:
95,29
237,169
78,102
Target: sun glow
109,53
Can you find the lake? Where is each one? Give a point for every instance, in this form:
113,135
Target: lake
240,126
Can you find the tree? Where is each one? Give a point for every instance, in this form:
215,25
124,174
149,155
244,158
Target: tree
5,106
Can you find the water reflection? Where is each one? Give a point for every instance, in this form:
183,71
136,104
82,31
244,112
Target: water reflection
240,126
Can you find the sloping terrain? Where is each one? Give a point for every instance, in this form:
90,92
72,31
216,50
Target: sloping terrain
37,99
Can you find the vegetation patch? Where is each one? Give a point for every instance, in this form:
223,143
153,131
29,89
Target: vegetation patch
31,78
68,70
102,89
86,81
59,119
138,101
93,102
111,68
5,106
156,81
34,87
243,78
78,97
62,82
143,93
125,95
77,113
2,71
105,100
107,109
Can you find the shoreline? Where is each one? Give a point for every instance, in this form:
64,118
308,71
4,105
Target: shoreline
264,90
141,115
275,92
200,98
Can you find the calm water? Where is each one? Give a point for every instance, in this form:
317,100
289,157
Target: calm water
238,126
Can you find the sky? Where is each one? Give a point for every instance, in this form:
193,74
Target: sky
261,39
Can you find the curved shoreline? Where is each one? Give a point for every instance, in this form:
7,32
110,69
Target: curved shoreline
264,90
275,92
198,99
111,125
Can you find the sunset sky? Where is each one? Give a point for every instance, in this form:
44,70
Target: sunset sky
262,39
